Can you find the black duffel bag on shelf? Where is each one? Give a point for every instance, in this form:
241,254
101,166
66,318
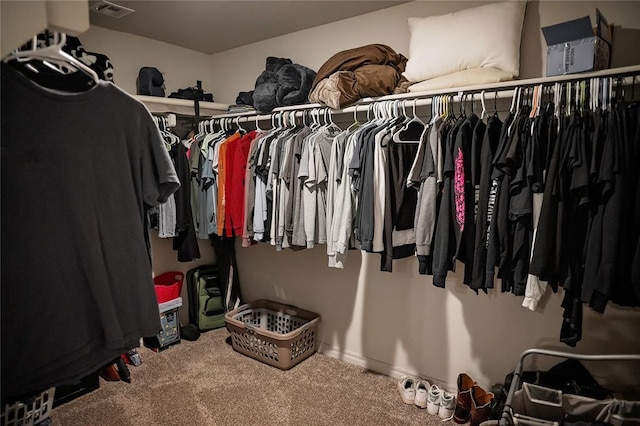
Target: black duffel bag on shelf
195,93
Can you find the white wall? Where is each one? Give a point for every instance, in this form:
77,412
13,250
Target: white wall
399,323
181,67
314,46
165,259
21,19
396,323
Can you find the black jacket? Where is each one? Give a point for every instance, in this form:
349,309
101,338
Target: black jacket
282,83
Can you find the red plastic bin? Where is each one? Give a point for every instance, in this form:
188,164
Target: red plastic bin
168,285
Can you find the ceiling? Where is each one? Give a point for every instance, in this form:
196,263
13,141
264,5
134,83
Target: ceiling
214,26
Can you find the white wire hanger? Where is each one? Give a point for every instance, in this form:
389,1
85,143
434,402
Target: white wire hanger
355,123
332,125
53,56
240,128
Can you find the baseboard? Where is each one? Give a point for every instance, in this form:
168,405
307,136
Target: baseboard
377,366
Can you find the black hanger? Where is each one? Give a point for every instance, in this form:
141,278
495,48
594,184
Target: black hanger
619,91
412,130
472,101
633,102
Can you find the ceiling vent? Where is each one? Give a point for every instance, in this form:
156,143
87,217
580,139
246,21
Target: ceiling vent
110,9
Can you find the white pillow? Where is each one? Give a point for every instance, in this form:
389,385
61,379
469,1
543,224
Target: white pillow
484,36
464,78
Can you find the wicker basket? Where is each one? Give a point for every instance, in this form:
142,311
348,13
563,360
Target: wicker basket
276,334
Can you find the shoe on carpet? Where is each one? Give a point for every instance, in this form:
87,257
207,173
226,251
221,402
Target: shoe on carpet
407,388
433,399
422,391
463,400
447,405
480,405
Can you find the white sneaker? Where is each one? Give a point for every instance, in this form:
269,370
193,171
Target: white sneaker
447,405
422,390
433,399
407,388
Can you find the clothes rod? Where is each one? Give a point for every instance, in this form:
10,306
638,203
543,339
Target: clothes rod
506,88
409,103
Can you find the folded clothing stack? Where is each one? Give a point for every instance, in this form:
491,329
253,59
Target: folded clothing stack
346,77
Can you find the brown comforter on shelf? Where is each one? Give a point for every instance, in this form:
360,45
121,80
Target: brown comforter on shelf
371,70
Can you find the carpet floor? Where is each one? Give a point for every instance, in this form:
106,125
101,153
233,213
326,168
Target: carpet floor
207,383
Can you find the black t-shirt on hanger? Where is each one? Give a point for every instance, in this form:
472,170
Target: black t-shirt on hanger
78,172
